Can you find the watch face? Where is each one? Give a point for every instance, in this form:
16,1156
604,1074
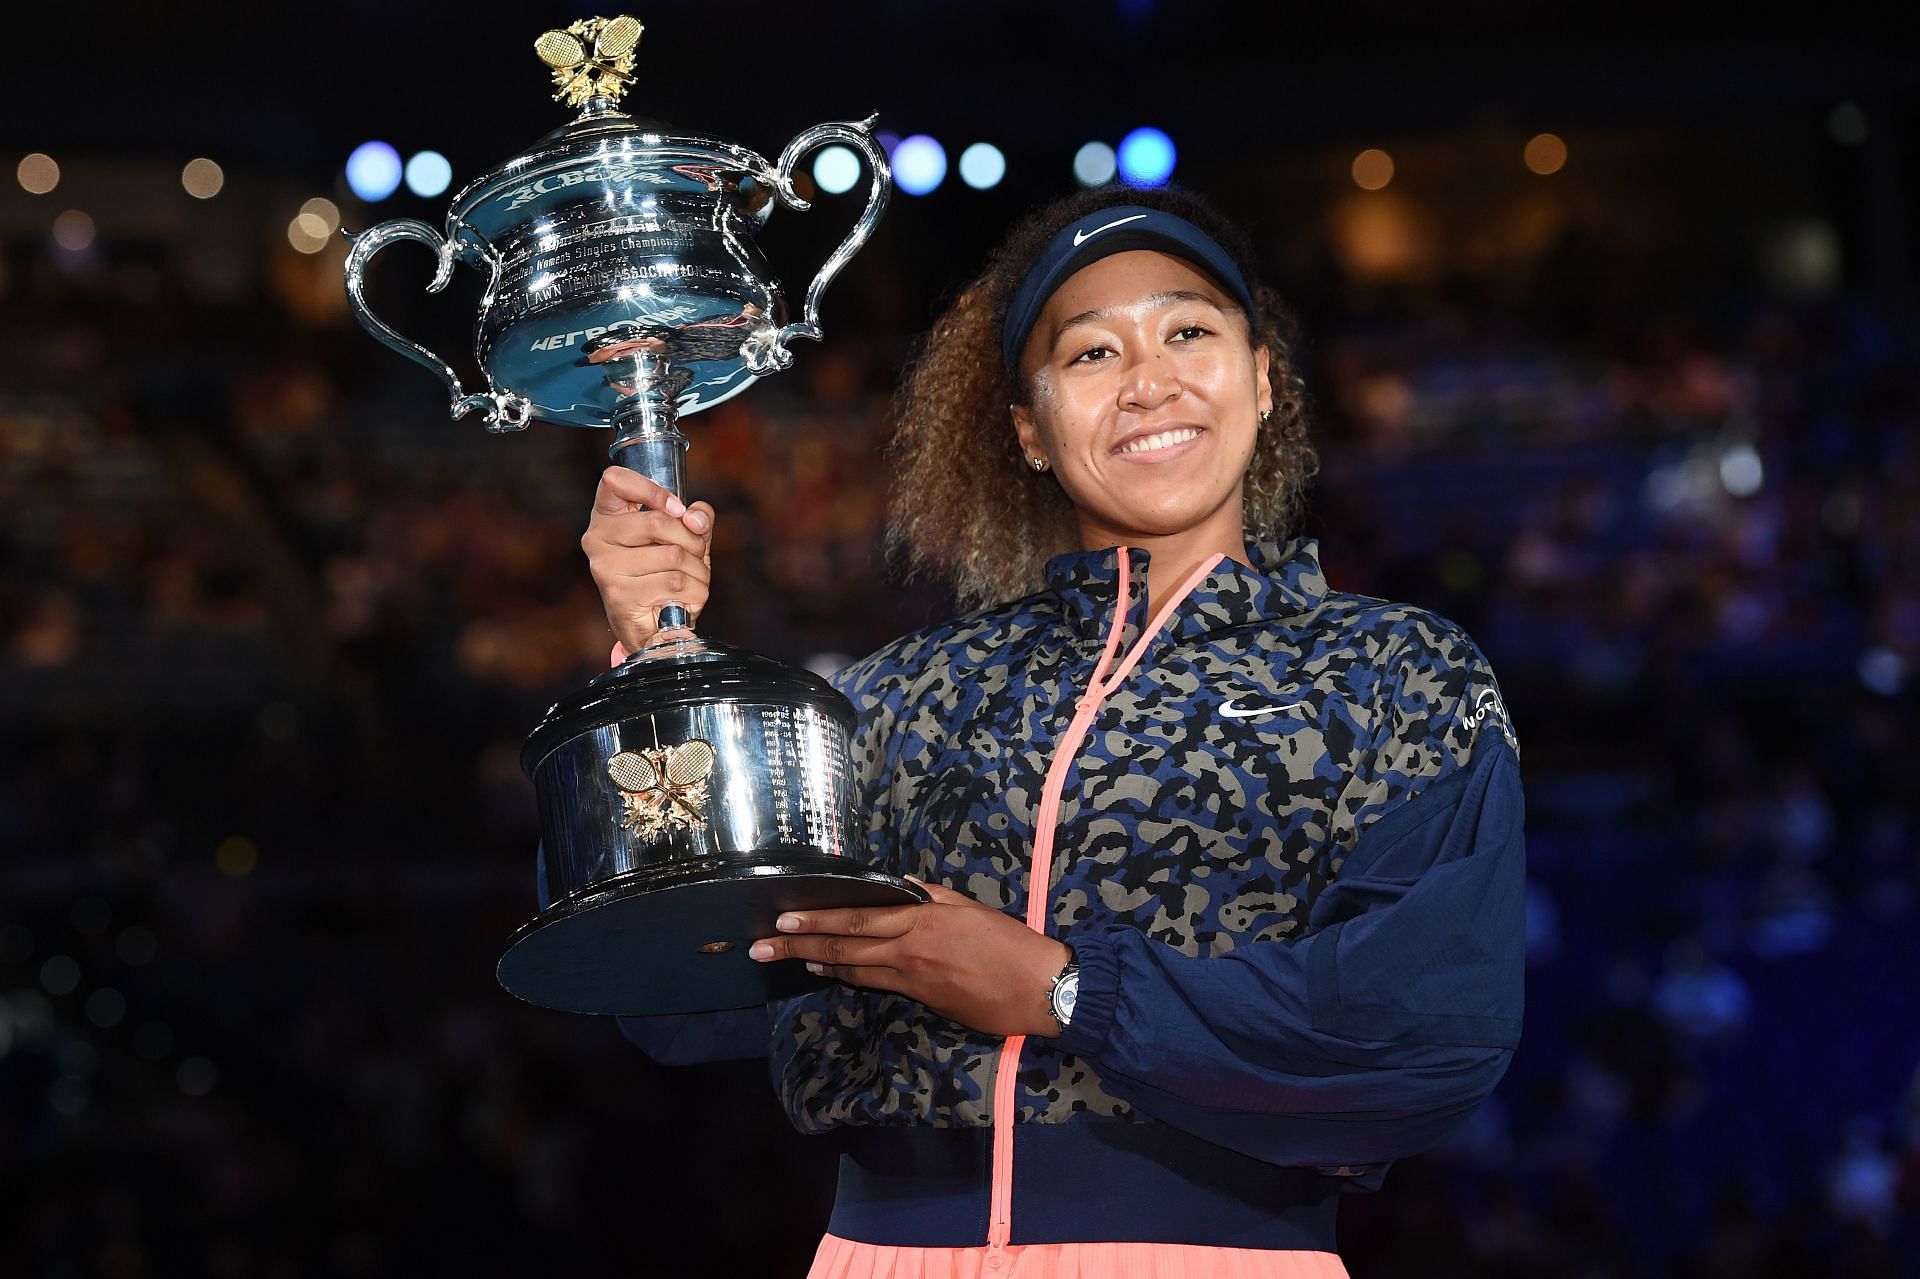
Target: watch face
1065,995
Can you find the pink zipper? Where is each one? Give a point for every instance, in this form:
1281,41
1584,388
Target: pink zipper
1040,877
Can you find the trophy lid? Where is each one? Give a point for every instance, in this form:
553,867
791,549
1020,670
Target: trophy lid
591,59
689,672
592,64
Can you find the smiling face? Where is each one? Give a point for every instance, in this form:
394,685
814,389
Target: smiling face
1145,398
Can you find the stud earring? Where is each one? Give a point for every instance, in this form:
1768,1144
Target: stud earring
1266,417
1037,463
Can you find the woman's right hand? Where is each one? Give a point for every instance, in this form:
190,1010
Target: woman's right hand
646,548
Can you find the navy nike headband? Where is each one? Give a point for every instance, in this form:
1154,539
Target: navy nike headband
1102,234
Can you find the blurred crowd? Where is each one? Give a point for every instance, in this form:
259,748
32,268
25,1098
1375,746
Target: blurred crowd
272,631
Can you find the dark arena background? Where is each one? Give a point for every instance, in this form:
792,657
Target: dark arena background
1609,327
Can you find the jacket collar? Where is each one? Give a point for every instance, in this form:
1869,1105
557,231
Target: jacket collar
1285,581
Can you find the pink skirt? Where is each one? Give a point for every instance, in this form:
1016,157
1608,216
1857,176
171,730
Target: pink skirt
844,1259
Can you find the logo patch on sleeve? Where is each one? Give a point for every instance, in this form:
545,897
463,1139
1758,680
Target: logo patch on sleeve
1486,705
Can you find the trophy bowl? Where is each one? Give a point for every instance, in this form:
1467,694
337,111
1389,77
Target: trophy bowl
691,794
609,239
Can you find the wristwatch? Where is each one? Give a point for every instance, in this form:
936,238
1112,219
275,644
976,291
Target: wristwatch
1065,992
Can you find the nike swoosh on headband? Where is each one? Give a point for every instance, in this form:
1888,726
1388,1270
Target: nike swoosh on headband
1233,709
1081,237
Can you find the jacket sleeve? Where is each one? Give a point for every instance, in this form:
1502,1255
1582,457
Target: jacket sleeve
684,1039
681,1039
1375,1033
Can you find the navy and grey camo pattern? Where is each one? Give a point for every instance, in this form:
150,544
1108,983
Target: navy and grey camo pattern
1217,793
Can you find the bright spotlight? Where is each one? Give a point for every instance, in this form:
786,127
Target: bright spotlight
982,166
1094,164
836,169
1146,158
373,171
428,174
919,164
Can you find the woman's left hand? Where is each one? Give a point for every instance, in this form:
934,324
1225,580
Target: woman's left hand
968,962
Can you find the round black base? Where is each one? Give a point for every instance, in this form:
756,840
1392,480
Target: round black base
673,939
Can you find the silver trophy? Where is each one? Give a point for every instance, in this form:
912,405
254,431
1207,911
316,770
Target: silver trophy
690,795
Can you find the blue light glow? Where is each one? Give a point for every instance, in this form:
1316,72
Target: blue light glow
1146,158
373,171
919,164
836,169
982,166
1093,164
428,174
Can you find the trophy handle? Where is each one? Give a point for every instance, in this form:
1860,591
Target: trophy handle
504,410
859,135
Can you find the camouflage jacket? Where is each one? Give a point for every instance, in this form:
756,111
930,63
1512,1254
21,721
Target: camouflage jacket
1289,862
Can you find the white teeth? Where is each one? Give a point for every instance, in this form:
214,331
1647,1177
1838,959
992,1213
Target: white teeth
1164,440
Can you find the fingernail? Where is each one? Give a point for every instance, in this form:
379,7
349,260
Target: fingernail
697,521
675,507
761,950
815,968
787,923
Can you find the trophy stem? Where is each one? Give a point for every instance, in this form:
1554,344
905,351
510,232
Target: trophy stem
647,439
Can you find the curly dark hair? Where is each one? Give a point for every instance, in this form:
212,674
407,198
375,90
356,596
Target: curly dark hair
953,404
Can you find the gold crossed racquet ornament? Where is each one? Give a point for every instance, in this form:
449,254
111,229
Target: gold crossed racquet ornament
593,58
663,788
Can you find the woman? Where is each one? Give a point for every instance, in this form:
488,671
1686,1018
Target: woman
1279,942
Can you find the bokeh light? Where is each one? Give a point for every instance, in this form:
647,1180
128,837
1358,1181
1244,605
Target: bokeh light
153,1040
106,1008
307,233
59,975
73,231
1146,158
202,178
1545,153
68,1096
196,1076
428,174
1372,169
982,166
1740,470
836,169
374,171
1095,164
1883,670
137,946
919,164
38,173
326,210
1847,124
237,855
